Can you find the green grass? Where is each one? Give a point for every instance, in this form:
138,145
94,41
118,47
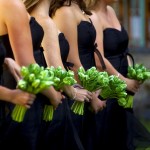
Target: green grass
146,124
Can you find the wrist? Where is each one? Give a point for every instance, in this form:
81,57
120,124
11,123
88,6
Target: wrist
118,75
10,95
74,95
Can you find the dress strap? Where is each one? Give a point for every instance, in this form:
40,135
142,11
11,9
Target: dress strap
100,57
130,55
68,65
90,20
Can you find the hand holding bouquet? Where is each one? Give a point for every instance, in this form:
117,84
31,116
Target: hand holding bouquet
140,73
116,88
34,80
91,80
60,78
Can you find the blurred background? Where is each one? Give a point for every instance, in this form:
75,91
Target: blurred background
135,16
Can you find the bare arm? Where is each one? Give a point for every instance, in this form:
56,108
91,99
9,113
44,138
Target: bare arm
132,85
13,67
18,29
16,96
51,47
50,43
69,27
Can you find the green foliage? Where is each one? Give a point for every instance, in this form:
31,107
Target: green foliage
116,88
92,80
61,77
138,72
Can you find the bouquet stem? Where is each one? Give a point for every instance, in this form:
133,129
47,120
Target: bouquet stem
129,100
78,107
48,113
18,113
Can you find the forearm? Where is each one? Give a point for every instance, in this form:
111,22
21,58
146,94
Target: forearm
5,94
69,91
111,70
54,96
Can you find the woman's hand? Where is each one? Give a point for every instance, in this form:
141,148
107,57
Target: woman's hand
132,85
54,96
77,93
57,99
13,67
82,95
96,104
20,97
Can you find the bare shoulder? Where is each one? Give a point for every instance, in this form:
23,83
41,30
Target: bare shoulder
111,10
94,16
14,8
96,19
12,5
65,12
46,22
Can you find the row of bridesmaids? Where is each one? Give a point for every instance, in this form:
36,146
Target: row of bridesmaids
70,34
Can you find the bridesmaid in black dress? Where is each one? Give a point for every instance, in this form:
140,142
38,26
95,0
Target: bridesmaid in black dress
118,124
18,37
15,96
32,121
60,132
81,34
2,104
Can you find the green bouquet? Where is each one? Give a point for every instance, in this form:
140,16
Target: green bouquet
34,80
61,78
92,80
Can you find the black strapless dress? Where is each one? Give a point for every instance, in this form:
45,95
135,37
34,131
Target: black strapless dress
2,103
60,133
25,135
86,124
86,47
121,130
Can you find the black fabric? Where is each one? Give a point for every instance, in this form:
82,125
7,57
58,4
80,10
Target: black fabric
25,134
86,46
119,127
100,57
2,103
60,133
64,47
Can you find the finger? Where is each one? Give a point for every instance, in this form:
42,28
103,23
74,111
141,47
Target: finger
17,77
89,96
32,96
30,102
90,93
86,99
27,106
18,74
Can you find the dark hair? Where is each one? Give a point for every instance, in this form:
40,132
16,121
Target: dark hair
56,4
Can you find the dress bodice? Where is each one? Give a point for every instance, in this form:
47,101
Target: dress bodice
2,56
37,34
115,41
116,48
64,48
86,43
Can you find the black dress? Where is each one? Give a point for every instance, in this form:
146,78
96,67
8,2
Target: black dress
60,133
86,124
2,103
25,135
120,128
86,47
